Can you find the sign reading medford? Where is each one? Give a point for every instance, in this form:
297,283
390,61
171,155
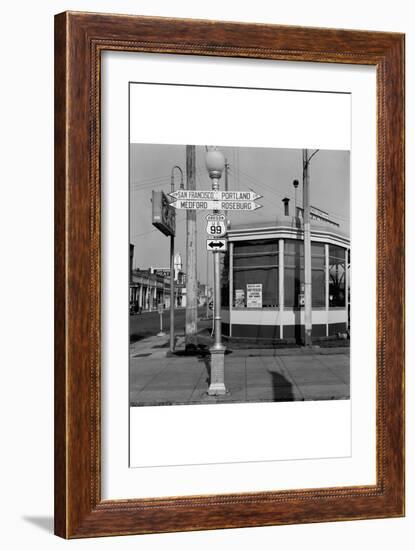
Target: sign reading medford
163,216
246,206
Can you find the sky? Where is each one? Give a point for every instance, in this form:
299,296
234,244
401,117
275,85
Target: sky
269,172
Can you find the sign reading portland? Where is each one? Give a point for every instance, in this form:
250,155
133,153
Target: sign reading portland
190,194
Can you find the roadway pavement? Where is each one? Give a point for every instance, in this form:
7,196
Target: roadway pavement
148,323
251,375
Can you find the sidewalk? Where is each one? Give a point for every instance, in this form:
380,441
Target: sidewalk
251,375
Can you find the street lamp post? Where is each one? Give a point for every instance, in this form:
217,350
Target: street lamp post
295,184
215,164
172,343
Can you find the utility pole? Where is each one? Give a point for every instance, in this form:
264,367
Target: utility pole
191,274
307,249
172,339
172,292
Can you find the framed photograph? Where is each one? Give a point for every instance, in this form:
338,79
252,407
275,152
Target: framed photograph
229,275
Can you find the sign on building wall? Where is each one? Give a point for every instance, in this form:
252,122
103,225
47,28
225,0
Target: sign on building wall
164,216
162,271
254,295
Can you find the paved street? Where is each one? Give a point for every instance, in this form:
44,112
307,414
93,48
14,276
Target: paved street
251,375
148,323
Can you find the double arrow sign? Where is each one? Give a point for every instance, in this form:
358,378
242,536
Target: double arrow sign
236,201
217,244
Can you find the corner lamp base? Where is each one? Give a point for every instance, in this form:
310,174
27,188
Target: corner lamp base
217,372
217,389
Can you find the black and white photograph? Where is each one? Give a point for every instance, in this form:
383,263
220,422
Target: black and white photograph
239,276
194,359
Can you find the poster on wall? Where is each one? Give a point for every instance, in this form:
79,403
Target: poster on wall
239,297
254,295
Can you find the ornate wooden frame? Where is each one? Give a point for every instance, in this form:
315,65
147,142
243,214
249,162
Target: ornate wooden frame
79,40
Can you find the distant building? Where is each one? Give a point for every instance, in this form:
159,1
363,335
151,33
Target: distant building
148,290
151,287
179,275
131,260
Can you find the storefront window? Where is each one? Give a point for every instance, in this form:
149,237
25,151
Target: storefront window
337,279
294,274
255,274
318,279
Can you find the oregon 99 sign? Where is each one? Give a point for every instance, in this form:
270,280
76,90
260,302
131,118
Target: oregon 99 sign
216,226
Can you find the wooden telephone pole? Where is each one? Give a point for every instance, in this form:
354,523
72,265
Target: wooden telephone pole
191,244
307,251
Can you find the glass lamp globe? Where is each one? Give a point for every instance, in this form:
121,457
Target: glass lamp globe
215,163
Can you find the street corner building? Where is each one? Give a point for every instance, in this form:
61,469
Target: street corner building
263,281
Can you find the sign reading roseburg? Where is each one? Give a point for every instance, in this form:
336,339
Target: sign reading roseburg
242,205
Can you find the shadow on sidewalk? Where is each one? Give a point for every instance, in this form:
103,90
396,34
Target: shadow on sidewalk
136,337
281,387
206,360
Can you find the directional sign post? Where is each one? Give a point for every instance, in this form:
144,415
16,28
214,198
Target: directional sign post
217,245
213,199
225,201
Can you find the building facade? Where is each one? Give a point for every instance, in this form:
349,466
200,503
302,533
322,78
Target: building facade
263,281
151,287
148,290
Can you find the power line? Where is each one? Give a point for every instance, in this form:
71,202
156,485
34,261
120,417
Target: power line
142,185
151,230
272,190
